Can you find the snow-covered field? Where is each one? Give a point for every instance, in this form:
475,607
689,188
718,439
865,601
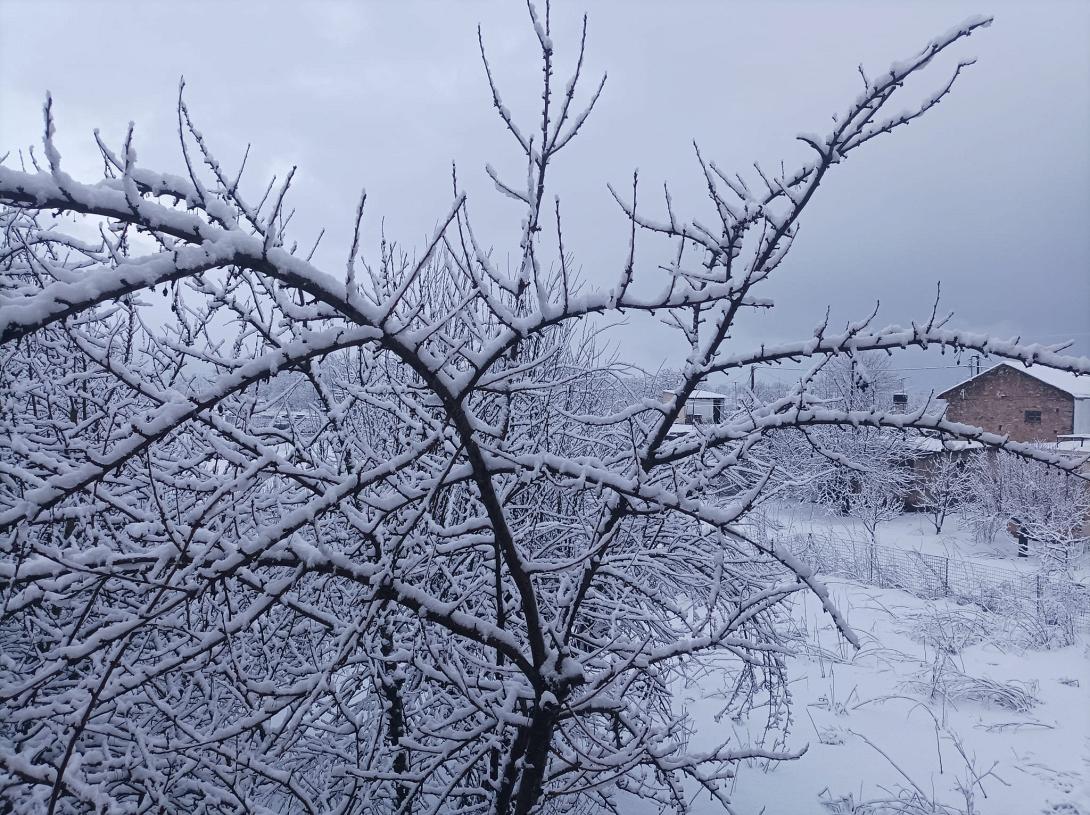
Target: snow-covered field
945,708
911,531
905,694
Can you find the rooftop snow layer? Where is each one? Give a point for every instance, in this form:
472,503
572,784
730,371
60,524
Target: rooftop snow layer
701,394
1077,386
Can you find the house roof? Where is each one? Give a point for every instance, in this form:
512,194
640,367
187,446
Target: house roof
933,444
1077,386
701,394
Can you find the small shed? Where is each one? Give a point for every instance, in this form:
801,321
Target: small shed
702,407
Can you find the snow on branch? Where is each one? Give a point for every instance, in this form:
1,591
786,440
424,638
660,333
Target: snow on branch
398,536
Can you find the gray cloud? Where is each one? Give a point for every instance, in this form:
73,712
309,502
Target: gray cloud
990,193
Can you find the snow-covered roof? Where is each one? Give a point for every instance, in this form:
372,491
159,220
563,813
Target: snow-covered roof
679,429
1077,444
1077,386
933,444
702,395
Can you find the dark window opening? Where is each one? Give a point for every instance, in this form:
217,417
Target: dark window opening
1033,417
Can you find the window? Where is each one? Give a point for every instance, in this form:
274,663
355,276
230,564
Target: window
1033,417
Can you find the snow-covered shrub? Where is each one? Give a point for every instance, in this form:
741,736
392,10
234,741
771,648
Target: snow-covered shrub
943,680
1010,620
950,630
391,536
1042,623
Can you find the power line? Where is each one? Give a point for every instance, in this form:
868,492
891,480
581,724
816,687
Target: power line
967,366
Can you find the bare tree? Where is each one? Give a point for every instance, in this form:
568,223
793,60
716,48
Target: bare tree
942,487
866,380
872,478
453,575
1042,508
863,472
988,510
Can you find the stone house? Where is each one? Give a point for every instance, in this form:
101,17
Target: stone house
1035,404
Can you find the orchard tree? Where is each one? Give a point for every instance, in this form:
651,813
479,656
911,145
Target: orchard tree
942,487
863,472
988,509
1050,510
859,381
871,476
378,538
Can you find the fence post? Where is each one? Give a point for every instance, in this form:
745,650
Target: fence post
1038,594
946,576
870,551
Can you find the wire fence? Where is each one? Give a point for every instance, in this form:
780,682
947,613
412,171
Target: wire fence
1052,597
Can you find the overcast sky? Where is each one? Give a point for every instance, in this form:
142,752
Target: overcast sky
989,193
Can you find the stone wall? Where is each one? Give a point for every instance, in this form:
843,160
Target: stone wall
998,399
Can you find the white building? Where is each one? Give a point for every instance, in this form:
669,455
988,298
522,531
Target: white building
702,407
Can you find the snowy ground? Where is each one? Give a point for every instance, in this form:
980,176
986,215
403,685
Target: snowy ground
883,694
912,531
938,694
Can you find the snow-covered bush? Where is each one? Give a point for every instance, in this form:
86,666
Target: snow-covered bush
950,630
1012,620
389,536
943,680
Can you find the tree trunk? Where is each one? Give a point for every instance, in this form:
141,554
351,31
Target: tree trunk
536,756
395,722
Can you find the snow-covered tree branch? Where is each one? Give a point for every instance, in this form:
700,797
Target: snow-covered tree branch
394,536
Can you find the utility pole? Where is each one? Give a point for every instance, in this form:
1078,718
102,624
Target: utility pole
852,385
